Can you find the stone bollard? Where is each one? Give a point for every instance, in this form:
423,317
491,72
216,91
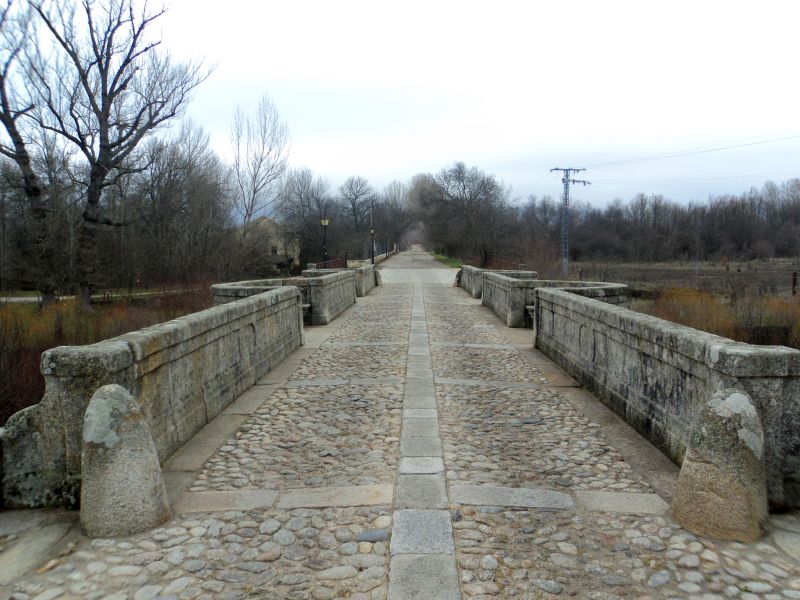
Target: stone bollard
122,489
722,491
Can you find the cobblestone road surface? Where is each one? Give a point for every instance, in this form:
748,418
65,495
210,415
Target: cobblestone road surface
415,448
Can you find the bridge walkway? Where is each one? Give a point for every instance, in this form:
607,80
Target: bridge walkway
417,448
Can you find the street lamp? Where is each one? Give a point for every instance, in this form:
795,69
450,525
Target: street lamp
371,230
324,221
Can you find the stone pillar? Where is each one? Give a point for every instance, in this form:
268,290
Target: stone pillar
122,489
722,492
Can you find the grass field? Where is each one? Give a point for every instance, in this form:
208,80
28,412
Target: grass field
446,260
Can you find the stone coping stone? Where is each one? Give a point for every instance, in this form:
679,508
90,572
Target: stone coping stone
488,383
422,532
621,502
493,495
421,465
428,576
420,446
353,495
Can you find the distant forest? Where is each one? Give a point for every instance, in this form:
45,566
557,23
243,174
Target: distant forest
470,215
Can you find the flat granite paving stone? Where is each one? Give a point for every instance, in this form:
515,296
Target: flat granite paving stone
349,495
421,465
420,491
420,427
413,372
495,495
420,413
422,532
210,501
30,550
419,350
420,446
497,383
423,576
414,400
621,502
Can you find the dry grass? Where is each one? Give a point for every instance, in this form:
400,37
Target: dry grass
27,330
745,317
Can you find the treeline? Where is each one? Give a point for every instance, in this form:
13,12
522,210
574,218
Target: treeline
101,185
469,214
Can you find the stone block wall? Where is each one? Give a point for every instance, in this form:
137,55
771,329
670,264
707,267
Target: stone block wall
472,278
507,293
182,374
326,296
365,277
658,375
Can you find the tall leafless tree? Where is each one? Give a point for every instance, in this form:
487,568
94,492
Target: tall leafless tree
104,89
260,153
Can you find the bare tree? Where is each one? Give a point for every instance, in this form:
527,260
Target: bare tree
105,89
357,194
260,153
14,106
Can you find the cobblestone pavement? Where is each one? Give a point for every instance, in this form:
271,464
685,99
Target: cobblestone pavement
415,448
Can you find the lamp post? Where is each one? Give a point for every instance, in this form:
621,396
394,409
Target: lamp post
371,231
324,222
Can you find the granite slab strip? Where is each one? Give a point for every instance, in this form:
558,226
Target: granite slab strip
31,549
251,400
356,344
426,491
413,372
324,497
494,495
488,383
420,428
421,465
420,413
621,502
335,382
194,453
422,532
419,401
419,351
423,576
420,446
484,346
194,502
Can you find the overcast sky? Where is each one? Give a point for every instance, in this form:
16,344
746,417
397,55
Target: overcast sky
387,90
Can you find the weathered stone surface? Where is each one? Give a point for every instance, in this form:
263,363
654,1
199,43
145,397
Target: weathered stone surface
422,532
182,373
415,576
327,295
658,375
721,489
123,490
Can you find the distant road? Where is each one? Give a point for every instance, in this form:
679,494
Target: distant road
98,298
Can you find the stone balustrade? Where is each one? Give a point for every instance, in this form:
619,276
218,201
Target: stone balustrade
472,278
366,277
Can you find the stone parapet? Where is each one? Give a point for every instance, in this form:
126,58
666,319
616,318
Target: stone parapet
365,276
326,295
472,278
659,376
508,293
182,374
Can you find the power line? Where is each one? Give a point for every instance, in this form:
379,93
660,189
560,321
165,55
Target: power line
567,180
693,151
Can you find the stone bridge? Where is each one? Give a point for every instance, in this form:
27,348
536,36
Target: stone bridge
415,447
